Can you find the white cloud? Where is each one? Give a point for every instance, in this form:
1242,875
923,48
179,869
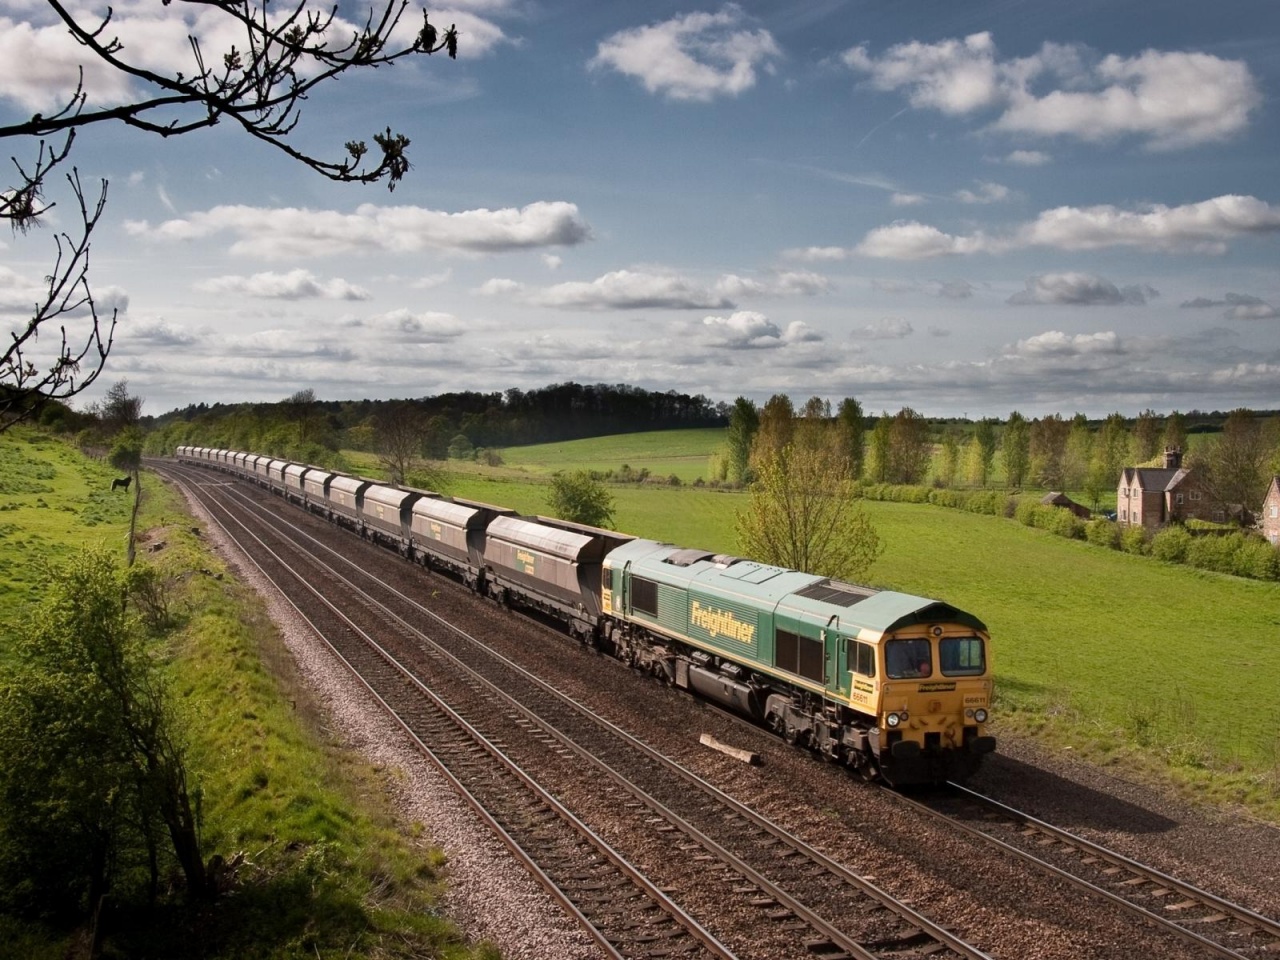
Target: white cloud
890,328
617,290
1079,289
290,232
698,56
406,326
1203,227
907,199
640,289
817,254
1170,99
1054,343
909,240
747,329
295,285
954,76
1240,306
986,193
1028,158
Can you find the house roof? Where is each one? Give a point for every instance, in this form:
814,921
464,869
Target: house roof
1155,478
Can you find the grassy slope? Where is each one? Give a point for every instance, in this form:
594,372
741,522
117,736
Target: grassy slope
327,873
664,452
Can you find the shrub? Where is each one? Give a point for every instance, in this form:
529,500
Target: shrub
1064,523
1103,533
1133,540
1171,544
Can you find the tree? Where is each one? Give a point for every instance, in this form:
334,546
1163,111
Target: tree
303,411
908,447
1075,466
1110,451
1234,466
248,67
1175,432
949,463
1049,451
744,421
1015,448
982,451
1146,436
878,456
802,513
777,425
92,771
580,498
400,437
850,428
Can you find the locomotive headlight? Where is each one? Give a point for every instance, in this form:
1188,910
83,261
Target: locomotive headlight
980,715
892,720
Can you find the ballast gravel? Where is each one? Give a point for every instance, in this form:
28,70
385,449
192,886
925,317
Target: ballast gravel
489,896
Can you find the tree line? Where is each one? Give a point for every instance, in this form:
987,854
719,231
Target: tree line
1236,457
445,425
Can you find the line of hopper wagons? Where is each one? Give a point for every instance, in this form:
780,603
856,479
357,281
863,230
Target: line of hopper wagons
897,687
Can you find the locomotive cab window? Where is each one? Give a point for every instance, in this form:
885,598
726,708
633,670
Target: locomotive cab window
644,596
962,657
861,658
907,659
799,655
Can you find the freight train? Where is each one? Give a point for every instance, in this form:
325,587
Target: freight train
897,687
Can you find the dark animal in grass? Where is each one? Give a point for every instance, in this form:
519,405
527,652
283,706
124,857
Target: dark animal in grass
122,482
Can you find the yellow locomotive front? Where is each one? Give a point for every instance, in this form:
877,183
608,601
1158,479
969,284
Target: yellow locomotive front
934,702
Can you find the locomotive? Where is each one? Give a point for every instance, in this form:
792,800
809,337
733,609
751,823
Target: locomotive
895,686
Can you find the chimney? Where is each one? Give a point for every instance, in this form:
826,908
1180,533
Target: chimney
1172,458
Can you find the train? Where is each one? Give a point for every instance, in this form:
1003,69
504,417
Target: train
896,687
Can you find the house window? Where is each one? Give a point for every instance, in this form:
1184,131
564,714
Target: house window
1124,514
1177,498
1275,511
1195,494
1219,516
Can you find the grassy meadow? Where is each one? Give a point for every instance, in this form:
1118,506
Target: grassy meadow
1124,658
325,869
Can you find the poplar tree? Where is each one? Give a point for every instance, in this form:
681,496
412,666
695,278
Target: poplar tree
1015,448
744,422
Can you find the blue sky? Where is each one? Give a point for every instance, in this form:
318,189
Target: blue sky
966,208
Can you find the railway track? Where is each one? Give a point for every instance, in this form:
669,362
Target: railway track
1222,928
805,903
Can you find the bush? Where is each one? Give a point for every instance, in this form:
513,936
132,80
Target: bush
1171,544
1133,540
1103,533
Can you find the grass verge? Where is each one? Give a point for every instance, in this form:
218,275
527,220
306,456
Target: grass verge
322,867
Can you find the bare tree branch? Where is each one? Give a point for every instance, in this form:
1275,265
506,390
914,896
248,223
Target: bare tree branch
26,382
260,83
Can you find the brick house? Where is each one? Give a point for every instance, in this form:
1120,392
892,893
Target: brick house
1153,497
1269,521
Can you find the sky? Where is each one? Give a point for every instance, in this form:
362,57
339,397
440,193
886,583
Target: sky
966,208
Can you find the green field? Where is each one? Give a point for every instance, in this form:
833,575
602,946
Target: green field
682,453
